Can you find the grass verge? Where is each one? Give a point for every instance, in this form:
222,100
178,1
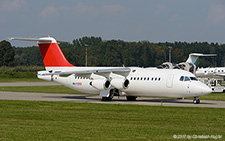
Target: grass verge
214,96
29,120
41,89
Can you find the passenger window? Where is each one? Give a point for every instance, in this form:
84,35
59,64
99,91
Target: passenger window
155,79
131,78
144,78
182,78
159,79
148,78
186,78
141,78
134,78
152,78
138,78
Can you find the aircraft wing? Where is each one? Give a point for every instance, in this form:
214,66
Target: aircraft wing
104,72
217,74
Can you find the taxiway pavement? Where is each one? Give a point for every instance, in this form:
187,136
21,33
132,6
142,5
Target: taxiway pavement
97,99
16,84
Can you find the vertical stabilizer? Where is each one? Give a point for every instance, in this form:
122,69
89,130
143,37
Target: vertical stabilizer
193,57
51,54
50,51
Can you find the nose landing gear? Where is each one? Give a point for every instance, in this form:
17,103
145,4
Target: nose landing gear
196,100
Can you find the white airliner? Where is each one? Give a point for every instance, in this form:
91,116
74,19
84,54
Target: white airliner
217,71
131,82
189,65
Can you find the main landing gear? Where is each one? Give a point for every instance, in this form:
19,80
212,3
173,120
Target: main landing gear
196,100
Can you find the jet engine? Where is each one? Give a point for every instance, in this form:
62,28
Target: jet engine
166,65
120,83
186,66
100,84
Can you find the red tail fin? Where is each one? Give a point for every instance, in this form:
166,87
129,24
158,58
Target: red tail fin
52,55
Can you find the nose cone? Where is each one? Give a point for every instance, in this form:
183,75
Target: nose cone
206,90
202,89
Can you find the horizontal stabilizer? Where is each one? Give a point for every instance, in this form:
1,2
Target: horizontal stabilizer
31,39
193,57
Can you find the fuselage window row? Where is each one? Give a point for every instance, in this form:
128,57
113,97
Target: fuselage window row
80,77
146,78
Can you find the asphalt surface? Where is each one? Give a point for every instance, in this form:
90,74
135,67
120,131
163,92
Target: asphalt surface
97,99
16,84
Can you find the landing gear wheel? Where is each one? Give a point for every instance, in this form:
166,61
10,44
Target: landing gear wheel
131,98
108,98
196,101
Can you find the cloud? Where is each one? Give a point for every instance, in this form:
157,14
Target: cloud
7,7
12,5
165,12
49,13
161,9
81,8
216,14
112,9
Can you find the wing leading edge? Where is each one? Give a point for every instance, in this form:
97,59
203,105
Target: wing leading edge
92,71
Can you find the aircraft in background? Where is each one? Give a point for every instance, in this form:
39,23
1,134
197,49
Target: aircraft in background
189,65
131,82
217,71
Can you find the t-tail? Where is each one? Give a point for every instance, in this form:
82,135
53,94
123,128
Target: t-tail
50,51
193,57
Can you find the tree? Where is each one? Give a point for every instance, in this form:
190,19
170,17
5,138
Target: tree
7,54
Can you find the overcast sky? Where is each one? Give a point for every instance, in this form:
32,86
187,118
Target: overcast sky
128,20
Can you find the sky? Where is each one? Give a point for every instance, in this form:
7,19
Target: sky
128,20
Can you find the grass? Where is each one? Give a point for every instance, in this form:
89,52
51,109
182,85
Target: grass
41,89
26,120
214,96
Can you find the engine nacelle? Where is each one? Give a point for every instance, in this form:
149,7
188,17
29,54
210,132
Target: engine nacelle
120,83
41,75
100,84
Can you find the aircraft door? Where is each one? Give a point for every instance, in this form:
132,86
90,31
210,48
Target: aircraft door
169,81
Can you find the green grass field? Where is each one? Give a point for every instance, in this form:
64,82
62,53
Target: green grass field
63,89
26,120
41,89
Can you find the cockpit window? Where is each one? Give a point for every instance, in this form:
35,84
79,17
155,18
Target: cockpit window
186,78
182,78
194,78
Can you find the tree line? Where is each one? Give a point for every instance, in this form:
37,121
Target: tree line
116,53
